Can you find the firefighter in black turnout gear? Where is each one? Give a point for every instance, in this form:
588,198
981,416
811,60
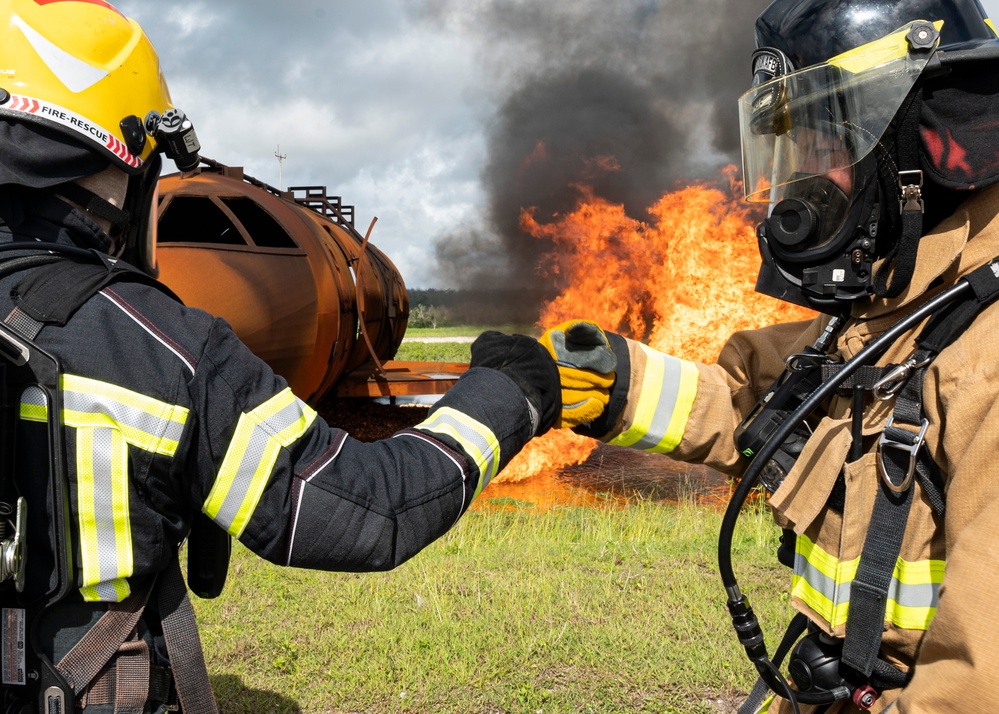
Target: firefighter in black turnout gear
131,419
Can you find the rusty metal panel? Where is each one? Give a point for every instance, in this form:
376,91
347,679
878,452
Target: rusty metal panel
283,271
400,378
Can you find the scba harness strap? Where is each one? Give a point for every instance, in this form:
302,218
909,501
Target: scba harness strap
111,663
902,460
901,457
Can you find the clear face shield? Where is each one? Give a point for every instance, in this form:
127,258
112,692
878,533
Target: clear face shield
803,133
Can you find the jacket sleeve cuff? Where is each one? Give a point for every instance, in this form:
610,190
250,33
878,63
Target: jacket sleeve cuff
660,395
605,423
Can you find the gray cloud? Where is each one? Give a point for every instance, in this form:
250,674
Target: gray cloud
427,113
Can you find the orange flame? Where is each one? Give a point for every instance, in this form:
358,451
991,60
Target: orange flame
682,282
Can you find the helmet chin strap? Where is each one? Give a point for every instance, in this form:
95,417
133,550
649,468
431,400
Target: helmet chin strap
117,219
899,264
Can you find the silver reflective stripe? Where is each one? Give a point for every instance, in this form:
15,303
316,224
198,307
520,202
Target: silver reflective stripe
823,582
147,423
102,503
475,438
249,460
663,402
671,371
107,419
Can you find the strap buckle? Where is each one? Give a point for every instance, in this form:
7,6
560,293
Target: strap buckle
800,361
912,447
911,183
893,382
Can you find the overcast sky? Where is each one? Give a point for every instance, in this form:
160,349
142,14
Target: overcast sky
423,112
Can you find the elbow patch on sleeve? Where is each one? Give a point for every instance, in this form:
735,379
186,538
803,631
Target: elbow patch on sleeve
335,533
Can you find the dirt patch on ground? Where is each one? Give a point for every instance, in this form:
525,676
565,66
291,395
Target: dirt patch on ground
366,420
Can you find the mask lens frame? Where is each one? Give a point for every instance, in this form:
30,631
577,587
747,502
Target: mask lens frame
850,101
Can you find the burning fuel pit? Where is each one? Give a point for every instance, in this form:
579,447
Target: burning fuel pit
636,475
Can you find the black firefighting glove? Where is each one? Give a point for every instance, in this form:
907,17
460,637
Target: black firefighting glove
527,363
586,365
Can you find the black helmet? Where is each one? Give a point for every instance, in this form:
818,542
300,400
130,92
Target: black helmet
859,111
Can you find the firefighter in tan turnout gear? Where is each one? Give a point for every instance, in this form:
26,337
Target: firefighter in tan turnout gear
156,421
872,129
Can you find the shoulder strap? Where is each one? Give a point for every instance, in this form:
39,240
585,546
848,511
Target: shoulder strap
51,293
901,458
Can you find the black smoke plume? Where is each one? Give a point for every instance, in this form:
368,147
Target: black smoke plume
630,97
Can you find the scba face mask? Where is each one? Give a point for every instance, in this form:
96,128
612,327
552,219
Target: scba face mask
812,142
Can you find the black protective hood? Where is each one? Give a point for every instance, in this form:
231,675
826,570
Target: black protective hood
38,157
959,126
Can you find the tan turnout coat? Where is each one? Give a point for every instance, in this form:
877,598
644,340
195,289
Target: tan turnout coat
957,655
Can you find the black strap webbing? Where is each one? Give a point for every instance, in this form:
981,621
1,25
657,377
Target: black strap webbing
948,324
900,262
187,658
865,377
88,657
883,543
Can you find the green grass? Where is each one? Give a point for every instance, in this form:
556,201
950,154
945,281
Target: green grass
469,330
434,352
411,351
570,610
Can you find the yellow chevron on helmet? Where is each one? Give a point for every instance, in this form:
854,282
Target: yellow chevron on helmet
82,67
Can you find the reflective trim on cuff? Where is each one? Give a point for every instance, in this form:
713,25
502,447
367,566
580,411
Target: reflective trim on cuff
665,398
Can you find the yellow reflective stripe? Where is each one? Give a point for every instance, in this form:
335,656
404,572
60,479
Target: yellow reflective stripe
34,405
102,506
831,612
992,25
114,591
874,54
765,707
666,395
475,438
681,412
146,423
249,460
823,582
107,419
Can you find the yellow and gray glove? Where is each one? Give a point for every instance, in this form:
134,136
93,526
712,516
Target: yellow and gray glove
586,364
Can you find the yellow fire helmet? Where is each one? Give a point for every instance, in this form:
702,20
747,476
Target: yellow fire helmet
83,68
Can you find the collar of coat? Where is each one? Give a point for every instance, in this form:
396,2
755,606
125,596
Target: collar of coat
966,240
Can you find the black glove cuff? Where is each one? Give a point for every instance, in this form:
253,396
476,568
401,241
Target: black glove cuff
602,425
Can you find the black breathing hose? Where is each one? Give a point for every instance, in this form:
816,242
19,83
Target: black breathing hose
743,618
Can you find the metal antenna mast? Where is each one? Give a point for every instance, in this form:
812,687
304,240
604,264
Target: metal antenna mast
280,157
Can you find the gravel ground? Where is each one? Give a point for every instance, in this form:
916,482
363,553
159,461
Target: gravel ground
368,421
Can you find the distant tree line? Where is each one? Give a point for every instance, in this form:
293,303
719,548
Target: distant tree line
443,308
